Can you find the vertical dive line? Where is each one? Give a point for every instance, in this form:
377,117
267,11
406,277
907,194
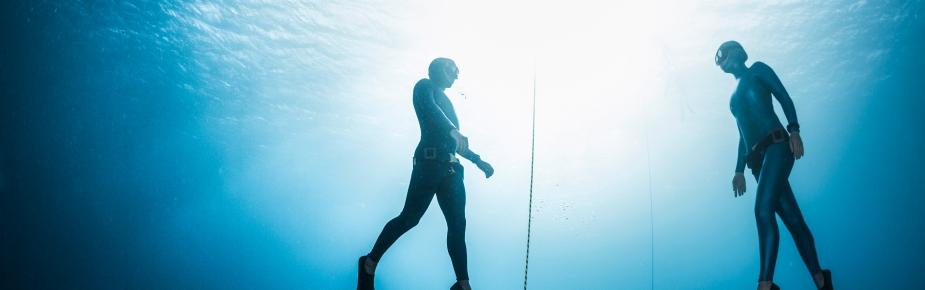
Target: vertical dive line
645,124
532,154
651,206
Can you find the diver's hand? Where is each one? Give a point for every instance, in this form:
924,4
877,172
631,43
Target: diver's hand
485,167
738,184
462,143
796,145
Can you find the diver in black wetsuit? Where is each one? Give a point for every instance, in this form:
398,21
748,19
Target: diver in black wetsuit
436,172
762,147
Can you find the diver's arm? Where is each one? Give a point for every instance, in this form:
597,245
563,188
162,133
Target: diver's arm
477,160
470,155
740,159
432,114
738,180
770,78
767,75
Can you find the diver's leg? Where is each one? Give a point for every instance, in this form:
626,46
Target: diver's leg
790,214
421,191
775,170
451,196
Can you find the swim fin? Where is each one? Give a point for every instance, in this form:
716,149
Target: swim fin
828,280
456,286
364,280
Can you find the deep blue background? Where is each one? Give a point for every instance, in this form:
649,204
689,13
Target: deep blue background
140,149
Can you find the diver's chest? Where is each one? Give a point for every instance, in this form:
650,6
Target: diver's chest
747,96
443,102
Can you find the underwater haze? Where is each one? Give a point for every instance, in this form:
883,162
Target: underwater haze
264,144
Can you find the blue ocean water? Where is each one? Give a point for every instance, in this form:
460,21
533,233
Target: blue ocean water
263,144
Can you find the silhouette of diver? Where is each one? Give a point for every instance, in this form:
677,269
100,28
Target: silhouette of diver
436,172
762,148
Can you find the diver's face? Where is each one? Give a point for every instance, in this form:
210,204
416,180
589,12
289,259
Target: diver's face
451,73
731,63
727,65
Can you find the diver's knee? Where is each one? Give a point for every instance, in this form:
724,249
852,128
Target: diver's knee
408,220
457,225
763,212
798,224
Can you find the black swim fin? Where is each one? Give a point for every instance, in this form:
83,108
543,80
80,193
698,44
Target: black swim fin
364,280
456,286
828,280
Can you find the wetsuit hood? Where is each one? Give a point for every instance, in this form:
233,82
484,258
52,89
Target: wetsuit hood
729,49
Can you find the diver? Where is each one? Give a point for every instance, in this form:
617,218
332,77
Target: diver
436,171
770,151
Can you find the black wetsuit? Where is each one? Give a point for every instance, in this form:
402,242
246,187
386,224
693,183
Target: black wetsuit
436,172
771,163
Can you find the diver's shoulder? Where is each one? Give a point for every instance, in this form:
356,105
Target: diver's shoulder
761,66
422,89
424,83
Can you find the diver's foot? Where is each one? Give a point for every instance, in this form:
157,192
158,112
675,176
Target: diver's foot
823,280
364,275
767,285
461,285
370,266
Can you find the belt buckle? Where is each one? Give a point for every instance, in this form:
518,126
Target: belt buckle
778,136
